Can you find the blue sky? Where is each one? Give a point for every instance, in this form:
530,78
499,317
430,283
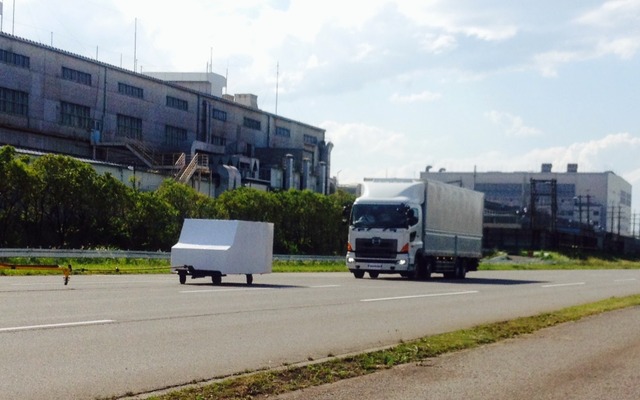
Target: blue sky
398,85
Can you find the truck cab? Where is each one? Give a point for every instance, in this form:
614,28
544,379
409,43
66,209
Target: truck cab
385,228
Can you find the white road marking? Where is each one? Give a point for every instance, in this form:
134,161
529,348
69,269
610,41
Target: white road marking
625,280
221,290
565,284
62,325
420,296
323,286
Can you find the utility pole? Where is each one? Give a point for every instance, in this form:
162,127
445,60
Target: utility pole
619,218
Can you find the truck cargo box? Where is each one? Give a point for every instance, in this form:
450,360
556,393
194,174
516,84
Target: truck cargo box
217,248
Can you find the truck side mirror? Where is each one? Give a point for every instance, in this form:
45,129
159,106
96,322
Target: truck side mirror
346,213
412,219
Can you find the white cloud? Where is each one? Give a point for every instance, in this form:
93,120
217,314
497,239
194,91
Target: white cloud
612,14
512,124
415,97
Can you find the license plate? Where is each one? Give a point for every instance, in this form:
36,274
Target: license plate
374,266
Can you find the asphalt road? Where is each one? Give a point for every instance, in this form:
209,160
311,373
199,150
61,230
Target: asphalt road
597,358
112,335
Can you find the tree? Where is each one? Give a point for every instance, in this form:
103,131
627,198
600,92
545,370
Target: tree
152,223
17,185
64,207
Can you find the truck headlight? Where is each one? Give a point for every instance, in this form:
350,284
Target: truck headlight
402,262
351,260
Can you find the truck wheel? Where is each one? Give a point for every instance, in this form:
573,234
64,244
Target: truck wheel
358,274
216,279
461,269
373,274
428,269
249,279
423,268
182,277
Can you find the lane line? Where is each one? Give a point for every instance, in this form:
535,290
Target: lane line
323,286
625,280
62,325
221,290
565,284
420,296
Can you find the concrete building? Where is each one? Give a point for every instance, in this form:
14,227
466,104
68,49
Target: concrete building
597,201
172,124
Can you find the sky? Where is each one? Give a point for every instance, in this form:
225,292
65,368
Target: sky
490,85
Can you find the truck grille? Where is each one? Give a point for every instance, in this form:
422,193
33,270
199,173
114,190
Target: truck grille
376,248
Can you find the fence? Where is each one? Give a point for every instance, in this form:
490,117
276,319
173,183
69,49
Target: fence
161,255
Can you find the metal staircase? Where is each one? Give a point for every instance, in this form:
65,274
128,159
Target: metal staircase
198,163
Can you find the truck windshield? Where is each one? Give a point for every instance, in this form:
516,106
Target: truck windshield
385,216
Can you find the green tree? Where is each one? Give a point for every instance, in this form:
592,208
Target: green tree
17,184
152,223
187,202
67,191
114,203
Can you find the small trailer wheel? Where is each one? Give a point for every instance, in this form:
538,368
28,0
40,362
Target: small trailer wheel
249,279
182,277
216,279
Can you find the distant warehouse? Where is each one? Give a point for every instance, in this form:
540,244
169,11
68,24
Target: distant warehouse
170,124
568,202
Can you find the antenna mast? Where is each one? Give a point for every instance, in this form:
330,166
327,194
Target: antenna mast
135,46
277,84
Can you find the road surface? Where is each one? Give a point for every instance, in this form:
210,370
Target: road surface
111,335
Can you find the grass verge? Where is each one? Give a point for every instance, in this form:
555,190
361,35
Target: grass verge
84,266
264,384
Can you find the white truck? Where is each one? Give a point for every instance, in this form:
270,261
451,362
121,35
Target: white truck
415,228
216,248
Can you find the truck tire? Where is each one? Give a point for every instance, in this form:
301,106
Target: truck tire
182,277
423,268
373,274
460,269
216,279
249,279
358,274
429,265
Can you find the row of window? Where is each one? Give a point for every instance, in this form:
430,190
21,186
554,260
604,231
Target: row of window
79,116
280,131
308,139
14,102
129,90
76,76
175,102
219,115
252,124
9,57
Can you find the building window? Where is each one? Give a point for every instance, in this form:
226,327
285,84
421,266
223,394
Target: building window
251,123
625,198
218,141
174,135
308,139
130,127
76,76
129,90
75,115
175,102
9,57
14,102
283,132
219,115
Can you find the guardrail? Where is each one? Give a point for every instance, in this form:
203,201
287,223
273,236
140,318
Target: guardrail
72,253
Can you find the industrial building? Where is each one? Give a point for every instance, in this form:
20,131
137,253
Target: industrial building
176,125
594,205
